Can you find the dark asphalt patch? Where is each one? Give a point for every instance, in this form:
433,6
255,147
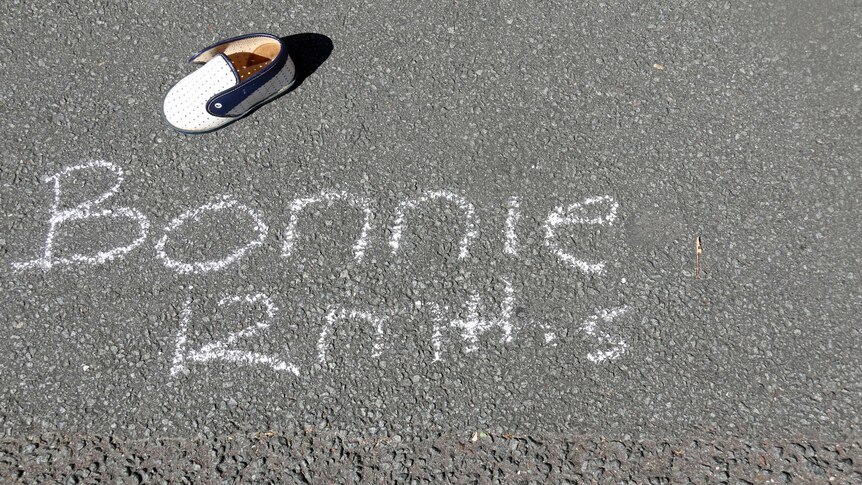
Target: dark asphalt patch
315,457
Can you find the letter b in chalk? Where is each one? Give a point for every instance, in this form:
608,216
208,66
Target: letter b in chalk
82,211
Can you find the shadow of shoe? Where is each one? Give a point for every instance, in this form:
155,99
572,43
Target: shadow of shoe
308,52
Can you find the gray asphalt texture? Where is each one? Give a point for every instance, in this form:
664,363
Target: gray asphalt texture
328,457
738,122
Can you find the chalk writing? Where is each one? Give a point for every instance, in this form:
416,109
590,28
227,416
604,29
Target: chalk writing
576,214
298,204
466,207
475,317
221,350
338,314
225,202
511,245
470,327
475,321
85,210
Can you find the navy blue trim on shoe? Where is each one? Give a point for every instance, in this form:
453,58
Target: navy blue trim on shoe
231,98
254,108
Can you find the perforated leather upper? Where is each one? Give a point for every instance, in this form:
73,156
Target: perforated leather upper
185,103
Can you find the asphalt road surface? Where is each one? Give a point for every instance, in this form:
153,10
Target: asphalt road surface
469,219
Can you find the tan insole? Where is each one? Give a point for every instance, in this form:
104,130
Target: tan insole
248,63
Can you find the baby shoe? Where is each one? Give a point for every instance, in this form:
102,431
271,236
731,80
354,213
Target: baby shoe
238,75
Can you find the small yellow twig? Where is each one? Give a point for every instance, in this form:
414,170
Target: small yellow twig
698,250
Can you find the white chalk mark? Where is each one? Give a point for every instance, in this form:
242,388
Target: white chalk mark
475,322
182,336
437,324
466,207
511,246
339,314
219,350
359,202
83,211
549,334
618,345
199,267
576,214
437,340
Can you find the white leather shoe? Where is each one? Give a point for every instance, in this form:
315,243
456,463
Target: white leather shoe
238,75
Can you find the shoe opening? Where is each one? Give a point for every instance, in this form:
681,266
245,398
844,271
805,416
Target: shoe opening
248,63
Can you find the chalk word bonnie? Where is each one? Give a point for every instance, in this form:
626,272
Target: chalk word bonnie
98,207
